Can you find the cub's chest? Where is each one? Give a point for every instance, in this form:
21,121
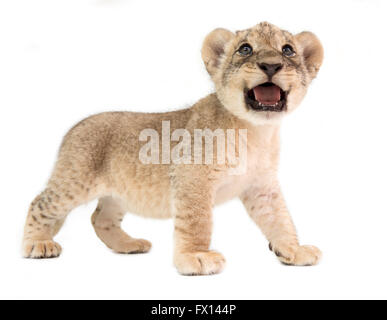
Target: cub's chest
254,169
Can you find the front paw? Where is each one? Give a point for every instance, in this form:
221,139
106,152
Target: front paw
199,263
296,255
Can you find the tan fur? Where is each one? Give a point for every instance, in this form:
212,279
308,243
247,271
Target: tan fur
99,158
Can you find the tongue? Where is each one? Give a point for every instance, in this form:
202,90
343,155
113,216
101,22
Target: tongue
267,95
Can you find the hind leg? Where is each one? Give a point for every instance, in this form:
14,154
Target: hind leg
107,220
46,216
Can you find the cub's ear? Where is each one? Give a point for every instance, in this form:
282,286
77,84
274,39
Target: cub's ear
213,48
312,50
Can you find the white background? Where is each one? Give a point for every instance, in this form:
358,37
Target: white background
61,61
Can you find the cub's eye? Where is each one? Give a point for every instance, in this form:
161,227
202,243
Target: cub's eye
245,49
288,51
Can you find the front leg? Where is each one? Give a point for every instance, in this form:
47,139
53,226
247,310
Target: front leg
266,206
192,210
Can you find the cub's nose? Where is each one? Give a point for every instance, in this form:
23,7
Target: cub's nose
270,69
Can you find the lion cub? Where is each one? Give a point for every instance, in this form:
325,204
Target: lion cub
260,75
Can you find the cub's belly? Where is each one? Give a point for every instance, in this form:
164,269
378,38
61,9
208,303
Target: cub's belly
150,205
144,190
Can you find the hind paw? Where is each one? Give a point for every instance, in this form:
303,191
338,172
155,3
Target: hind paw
41,249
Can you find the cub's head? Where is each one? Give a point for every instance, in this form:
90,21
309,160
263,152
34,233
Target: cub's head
261,73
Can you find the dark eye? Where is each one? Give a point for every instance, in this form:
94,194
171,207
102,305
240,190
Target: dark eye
245,50
288,51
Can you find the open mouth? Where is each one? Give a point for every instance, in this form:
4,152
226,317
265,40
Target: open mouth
266,97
